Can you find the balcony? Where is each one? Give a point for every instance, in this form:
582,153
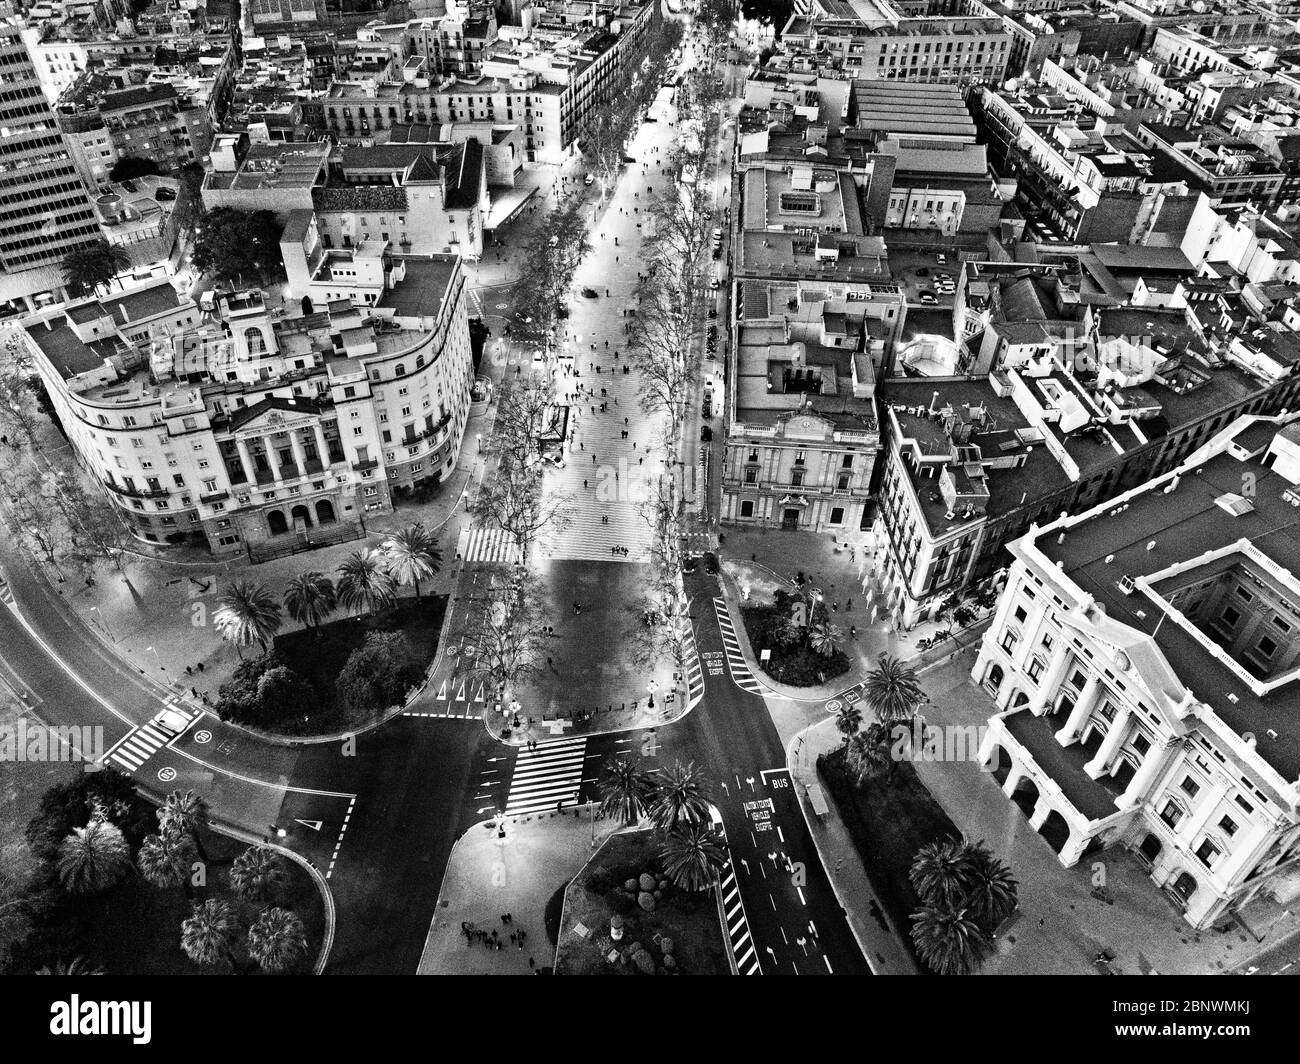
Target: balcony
135,493
216,496
369,463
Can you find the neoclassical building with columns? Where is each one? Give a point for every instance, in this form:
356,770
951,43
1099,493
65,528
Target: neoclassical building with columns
258,432
1146,668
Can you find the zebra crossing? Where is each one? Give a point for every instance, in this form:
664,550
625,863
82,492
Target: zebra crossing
487,545
694,674
740,674
742,944
547,777
6,595
144,741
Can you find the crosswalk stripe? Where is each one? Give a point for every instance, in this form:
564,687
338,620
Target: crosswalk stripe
741,674
487,545
548,776
742,943
140,744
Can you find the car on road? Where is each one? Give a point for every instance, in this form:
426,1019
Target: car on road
717,251
689,564
706,434
713,310
941,258
590,293
928,298
170,721
711,563
707,410
589,180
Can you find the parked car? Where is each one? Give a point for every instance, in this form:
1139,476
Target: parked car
590,293
706,434
941,258
928,299
689,564
164,194
707,411
711,563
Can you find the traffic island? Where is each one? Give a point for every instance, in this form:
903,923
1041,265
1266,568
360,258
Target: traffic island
622,917
801,644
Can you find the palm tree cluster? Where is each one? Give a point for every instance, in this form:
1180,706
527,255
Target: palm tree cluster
675,800
169,858
966,893
893,691
367,582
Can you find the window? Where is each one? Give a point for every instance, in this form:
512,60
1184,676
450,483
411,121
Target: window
1208,853
1266,647
1190,787
1243,594
747,509
1036,668
1229,616
796,478
1009,639
1172,813
1048,641
751,476
1078,680
1141,743
1021,614
1228,826
837,515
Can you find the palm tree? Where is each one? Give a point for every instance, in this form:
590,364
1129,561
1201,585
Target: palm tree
693,856
277,940
991,892
868,753
93,858
90,267
848,720
941,872
185,812
626,789
948,939
412,554
788,631
77,966
893,691
364,585
167,859
825,638
679,798
310,598
258,874
208,934
246,614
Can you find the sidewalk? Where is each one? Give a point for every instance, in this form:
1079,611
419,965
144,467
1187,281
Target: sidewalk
487,877
884,951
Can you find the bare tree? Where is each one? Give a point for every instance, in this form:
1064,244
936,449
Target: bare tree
20,414
96,529
502,634
661,338
513,498
524,411
683,216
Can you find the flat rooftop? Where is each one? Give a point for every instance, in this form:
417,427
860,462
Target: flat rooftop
422,292
1184,524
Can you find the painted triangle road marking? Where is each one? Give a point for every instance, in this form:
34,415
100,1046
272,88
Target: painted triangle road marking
478,695
315,825
460,695
442,691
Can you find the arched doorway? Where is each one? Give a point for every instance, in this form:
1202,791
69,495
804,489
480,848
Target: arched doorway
1150,848
325,512
1184,887
993,679
1055,831
1026,796
1000,765
301,513
275,521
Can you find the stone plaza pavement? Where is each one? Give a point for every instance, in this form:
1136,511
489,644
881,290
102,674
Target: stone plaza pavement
488,877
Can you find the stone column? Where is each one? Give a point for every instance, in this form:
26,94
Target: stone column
321,446
1079,714
1110,745
246,460
1073,848
1050,680
1014,776
1042,810
1152,761
299,454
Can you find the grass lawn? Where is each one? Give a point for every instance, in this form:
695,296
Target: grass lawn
596,894
135,929
319,654
889,822
797,665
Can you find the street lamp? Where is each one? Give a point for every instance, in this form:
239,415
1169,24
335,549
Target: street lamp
103,623
158,657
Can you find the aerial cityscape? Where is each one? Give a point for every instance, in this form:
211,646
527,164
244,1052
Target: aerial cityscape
650,487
